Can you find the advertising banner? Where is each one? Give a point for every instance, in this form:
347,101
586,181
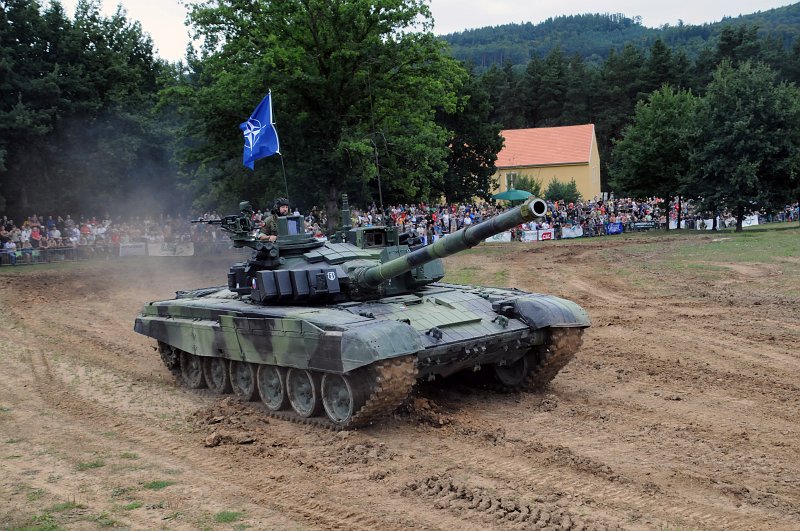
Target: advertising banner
503,237
133,249
644,225
614,228
706,224
575,231
673,224
538,235
750,221
171,249
730,222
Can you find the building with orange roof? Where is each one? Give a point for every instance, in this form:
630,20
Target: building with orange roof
547,153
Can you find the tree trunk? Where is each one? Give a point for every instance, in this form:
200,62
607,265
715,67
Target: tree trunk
679,212
23,204
332,207
668,207
714,217
739,217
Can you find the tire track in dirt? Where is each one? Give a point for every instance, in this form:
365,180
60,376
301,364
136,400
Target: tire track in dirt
84,410
156,441
613,434
624,496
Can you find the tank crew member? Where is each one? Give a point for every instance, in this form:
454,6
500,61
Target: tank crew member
269,230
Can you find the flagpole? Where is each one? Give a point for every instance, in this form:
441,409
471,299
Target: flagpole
283,168
285,184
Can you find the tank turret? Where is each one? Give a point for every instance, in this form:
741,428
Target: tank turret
348,324
372,262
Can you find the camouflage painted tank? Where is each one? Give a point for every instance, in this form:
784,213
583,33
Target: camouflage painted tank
338,333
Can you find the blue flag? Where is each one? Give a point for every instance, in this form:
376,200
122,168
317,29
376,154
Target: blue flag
260,135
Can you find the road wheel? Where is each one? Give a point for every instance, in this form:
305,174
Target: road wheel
243,380
302,386
217,373
512,374
272,387
341,398
192,371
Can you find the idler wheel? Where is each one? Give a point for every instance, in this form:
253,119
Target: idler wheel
192,371
340,398
302,386
513,374
272,387
243,379
217,373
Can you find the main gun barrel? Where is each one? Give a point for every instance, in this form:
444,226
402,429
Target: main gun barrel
460,240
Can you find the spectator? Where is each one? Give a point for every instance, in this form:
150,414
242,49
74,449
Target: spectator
10,250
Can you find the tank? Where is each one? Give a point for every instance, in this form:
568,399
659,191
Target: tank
337,332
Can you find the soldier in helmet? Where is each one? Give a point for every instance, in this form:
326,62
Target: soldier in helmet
269,230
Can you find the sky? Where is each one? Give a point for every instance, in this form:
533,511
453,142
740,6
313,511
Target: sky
164,19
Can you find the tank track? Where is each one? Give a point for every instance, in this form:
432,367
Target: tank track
562,347
388,383
393,379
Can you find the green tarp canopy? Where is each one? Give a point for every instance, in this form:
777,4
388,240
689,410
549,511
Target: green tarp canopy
513,195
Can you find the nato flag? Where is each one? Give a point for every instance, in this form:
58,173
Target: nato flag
260,136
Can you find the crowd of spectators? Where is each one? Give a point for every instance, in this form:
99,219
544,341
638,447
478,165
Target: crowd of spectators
592,216
36,234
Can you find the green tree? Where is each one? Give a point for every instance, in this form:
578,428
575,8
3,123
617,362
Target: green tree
581,92
552,89
747,148
792,67
559,191
509,93
621,85
660,67
348,79
738,44
652,156
530,90
77,126
529,184
474,144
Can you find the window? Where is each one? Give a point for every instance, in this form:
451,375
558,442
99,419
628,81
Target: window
511,179
294,225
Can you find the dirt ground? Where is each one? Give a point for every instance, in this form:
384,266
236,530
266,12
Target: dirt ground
679,412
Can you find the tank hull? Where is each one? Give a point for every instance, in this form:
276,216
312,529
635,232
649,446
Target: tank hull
448,328
371,352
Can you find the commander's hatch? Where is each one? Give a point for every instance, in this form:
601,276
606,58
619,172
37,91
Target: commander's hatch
292,235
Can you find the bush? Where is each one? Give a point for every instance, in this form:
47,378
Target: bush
556,191
529,184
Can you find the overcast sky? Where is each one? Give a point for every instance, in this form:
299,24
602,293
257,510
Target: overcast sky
164,19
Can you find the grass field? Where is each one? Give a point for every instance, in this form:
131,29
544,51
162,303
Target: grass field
644,257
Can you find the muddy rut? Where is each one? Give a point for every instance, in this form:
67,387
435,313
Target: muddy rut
680,411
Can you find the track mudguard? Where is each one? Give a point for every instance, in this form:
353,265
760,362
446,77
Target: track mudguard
541,311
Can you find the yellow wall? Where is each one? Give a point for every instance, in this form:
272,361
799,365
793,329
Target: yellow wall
587,176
